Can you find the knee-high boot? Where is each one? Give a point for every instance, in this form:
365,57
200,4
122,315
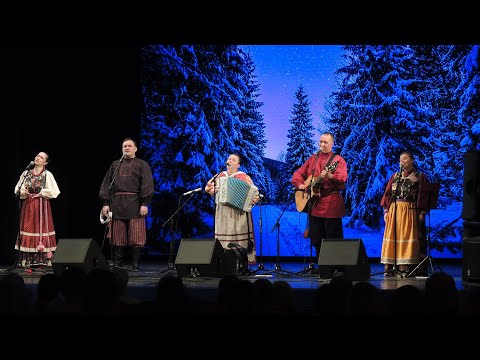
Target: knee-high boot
118,252
135,257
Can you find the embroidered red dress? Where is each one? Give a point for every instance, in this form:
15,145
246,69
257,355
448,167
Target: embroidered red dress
36,239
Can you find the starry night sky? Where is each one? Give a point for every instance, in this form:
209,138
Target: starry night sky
280,69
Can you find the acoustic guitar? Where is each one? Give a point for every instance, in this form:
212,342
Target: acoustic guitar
305,199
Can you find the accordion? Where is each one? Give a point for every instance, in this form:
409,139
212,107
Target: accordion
235,193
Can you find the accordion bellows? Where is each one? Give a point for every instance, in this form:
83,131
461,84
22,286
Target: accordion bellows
236,193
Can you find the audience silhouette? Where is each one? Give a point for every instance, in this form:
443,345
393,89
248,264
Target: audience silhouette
105,292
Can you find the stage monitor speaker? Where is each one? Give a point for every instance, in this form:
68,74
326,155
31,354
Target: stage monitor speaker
83,254
347,256
470,229
471,259
471,186
199,257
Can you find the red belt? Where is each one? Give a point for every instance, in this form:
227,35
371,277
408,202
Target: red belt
328,192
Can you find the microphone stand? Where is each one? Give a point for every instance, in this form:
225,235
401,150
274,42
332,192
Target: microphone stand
215,206
430,190
110,188
116,173
17,194
393,270
260,265
397,190
310,270
171,265
278,268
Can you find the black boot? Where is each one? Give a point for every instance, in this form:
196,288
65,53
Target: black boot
135,257
118,252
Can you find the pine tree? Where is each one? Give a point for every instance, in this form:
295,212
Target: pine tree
301,144
252,143
468,94
376,115
199,107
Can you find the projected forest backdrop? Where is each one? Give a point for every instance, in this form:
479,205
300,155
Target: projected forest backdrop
202,103
191,106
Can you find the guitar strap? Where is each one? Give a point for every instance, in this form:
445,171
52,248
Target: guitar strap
330,160
309,203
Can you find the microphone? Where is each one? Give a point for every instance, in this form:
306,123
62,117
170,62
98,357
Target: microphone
401,169
227,164
192,191
30,165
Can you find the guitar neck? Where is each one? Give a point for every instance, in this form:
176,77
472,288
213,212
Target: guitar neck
330,168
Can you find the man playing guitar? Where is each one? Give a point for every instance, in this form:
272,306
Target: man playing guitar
327,172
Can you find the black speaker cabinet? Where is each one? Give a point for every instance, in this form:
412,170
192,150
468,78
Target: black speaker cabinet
347,256
471,186
84,254
199,257
471,260
471,229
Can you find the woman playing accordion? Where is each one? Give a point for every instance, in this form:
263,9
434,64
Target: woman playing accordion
233,217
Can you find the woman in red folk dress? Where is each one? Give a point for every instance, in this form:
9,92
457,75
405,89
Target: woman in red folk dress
36,240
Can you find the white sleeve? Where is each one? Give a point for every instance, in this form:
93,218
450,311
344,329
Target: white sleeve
21,182
51,190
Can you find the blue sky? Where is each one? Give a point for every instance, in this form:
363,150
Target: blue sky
280,69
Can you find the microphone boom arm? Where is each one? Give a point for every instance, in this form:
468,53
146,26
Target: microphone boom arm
29,166
176,212
116,172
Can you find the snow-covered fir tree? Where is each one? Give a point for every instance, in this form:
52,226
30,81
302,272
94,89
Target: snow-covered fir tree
468,93
200,106
300,134
251,145
376,114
